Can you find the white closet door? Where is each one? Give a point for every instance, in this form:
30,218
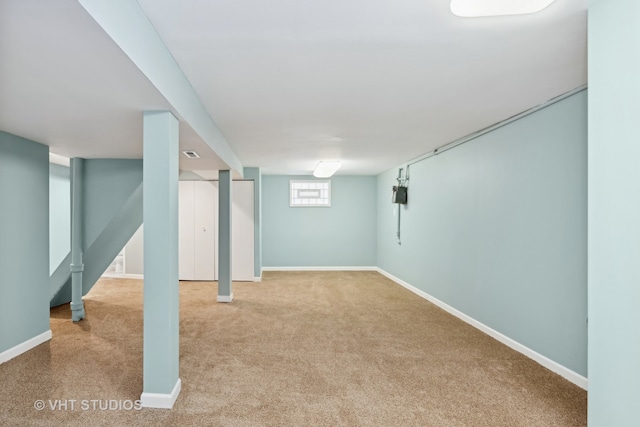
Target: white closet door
205,213
242,226
217,229
186,241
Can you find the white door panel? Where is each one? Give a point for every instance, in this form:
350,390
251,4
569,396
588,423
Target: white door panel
198,222
186,241
205,213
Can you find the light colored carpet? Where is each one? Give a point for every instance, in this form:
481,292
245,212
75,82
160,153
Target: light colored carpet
297,349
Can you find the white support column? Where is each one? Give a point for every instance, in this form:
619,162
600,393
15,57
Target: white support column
161,300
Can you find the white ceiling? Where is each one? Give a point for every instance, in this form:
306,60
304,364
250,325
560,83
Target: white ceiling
66,84
289,82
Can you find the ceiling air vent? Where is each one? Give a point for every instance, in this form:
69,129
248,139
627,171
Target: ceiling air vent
191,154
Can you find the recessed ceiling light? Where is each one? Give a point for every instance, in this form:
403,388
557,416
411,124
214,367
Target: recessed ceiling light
191,154
326,168
478,8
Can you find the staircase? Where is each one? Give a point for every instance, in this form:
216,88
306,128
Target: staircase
113,213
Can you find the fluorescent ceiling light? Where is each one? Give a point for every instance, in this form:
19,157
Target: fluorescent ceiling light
326,168
477,8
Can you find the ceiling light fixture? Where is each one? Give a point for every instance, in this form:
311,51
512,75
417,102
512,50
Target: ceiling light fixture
478,8
191,154
326,168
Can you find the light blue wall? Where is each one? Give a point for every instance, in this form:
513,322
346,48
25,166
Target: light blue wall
108,185
496,228
112,206
24,240
614,213
255,175
161,337
225,227
340,235
59,214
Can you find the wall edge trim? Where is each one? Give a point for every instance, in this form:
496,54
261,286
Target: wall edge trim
122,276
553,366
322,268
498,125
225,298
17,350
161,400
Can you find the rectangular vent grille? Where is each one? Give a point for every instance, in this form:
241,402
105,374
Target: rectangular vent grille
191,154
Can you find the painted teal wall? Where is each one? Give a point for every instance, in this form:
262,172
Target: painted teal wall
614,213
340,235
24,240
225,234
161,334
59,215
496,228
112,204
255,175
108,184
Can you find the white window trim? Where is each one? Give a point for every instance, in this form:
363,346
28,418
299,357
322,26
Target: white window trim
292,184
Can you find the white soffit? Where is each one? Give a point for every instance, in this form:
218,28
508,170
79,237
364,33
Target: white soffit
66,84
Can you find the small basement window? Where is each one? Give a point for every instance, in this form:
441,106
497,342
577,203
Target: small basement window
309,193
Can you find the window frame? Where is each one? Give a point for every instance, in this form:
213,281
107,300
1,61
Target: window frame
314,182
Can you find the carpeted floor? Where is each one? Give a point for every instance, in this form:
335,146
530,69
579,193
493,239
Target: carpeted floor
297,349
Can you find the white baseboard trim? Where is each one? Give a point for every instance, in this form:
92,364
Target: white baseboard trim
17,350
325,268
257,279
564,372
225,298
161,400
123,276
